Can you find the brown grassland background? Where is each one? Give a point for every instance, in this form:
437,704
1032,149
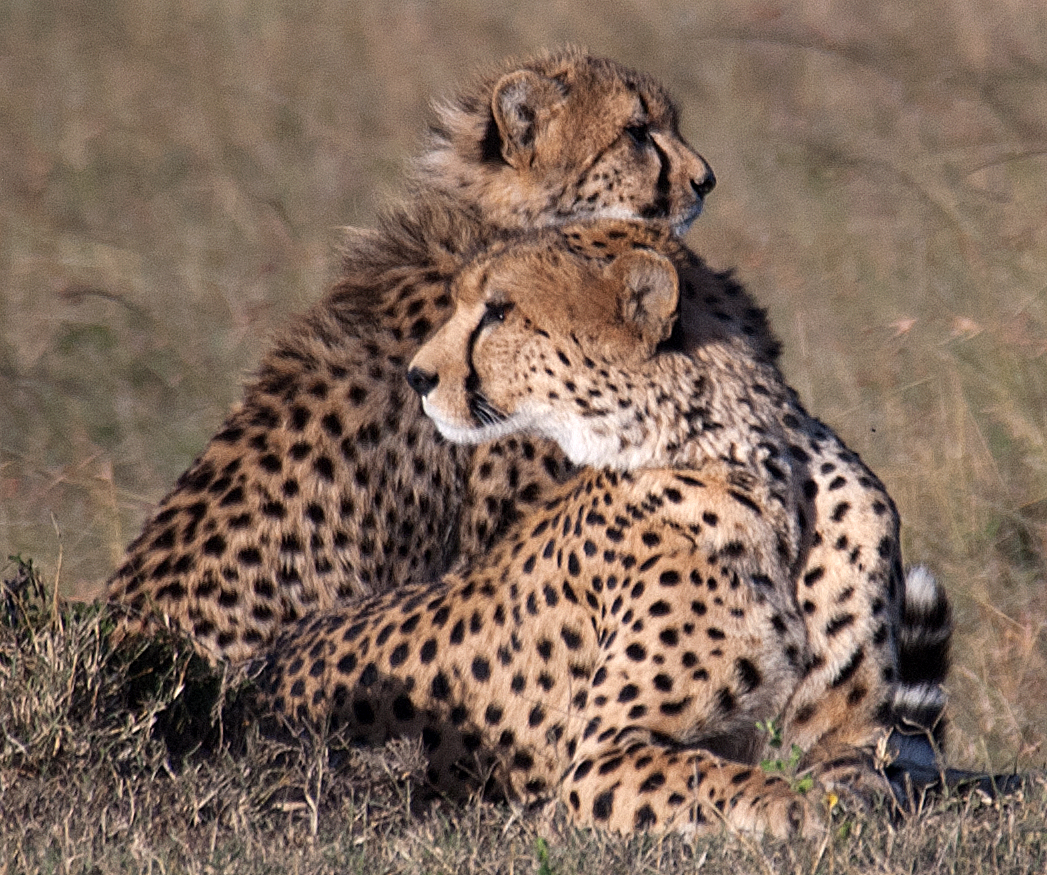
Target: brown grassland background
172,182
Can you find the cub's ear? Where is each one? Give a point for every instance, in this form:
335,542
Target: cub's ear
650,292
521,103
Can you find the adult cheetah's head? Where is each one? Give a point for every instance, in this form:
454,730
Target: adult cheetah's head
566,136
548,341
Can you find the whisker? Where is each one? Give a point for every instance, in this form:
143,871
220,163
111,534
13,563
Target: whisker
484,412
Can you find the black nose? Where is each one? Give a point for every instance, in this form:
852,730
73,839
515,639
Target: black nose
707,183
423,383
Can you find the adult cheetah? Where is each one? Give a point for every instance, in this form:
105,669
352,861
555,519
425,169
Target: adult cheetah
619,645
327,481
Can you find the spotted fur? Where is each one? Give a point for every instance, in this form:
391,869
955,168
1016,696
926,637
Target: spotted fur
327,482
617,648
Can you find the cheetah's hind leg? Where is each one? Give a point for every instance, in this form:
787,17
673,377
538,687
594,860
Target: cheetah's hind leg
648,787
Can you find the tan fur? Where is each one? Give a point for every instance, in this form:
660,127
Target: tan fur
575,138
620,643
327,482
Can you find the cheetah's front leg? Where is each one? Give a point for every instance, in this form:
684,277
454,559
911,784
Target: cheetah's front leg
644,786
850,589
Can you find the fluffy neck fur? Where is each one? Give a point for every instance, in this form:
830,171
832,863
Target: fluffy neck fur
684,410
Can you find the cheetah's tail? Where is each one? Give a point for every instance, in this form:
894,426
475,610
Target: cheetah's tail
915,743
918,727
923,655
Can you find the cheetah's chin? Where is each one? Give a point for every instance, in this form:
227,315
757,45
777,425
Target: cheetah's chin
679,224
682,225
457,433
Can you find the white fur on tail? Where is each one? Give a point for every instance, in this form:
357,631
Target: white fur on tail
923,655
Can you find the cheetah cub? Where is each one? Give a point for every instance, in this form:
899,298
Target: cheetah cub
327,482
618,647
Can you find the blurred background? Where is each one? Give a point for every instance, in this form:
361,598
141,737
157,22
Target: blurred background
173,178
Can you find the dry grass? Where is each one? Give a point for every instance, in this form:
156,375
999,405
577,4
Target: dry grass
141,759
171,183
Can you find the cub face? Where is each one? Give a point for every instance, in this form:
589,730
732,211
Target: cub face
547,342
568,136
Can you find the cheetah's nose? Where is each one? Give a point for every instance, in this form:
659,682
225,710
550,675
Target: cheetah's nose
421,381
706,184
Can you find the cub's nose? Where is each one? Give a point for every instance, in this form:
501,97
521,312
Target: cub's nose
421,381
706,184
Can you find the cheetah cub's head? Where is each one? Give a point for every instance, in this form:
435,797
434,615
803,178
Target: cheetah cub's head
548,342
566,136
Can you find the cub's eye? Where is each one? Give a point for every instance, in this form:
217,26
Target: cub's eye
494,312
639,133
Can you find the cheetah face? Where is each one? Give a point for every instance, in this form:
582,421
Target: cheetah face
567,137
546,342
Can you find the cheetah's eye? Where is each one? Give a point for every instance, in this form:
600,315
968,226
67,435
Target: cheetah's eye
639,133
494,312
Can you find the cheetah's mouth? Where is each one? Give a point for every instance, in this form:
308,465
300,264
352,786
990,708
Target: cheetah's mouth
484,412
682,224
488,422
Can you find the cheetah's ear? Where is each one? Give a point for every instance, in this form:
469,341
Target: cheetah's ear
650,293
521,102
